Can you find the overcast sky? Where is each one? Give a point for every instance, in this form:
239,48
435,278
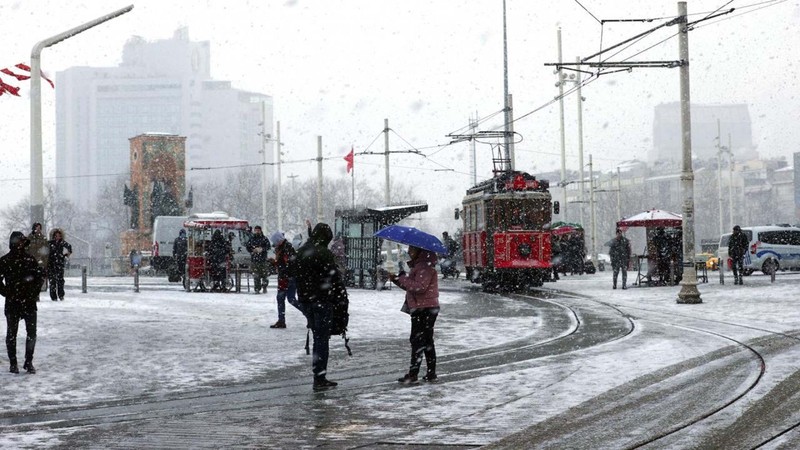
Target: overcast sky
337,68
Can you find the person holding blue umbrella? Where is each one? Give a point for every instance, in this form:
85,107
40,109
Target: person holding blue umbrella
421,284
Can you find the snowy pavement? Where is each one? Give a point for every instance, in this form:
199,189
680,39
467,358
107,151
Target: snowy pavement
112,344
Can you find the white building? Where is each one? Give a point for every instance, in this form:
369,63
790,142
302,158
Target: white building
161,86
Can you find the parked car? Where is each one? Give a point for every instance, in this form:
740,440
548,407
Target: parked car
771,248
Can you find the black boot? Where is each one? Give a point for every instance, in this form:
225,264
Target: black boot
28,366
322,383
408,378
14,368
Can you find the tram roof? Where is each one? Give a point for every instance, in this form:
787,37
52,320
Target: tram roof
513,181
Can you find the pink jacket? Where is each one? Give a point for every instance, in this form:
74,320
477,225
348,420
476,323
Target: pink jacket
422,282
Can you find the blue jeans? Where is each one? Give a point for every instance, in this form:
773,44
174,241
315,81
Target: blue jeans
319,317
291,294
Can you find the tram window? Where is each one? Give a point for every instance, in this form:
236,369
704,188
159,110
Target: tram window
481,218
521,214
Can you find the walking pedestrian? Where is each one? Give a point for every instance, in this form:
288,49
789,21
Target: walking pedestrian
422,303
285,257
620,253
662,249
59,251
20,282
38,248
259,246
319,286
737,247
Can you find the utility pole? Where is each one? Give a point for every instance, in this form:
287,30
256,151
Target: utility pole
730,183
319,179
37,176
592,213
278,145
619,194
560,83
292,177
689,293
580,141
506,97
473,167
263,164
719,179
386,196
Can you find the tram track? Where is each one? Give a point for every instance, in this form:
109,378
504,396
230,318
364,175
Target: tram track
771,342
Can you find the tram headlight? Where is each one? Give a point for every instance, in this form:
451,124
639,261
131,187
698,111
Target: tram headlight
524,250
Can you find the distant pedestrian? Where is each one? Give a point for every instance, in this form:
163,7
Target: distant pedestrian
620,253
20,282
422,303
38,248
135,261
59,251
661,242
319,288
449,265
180,251
737,248
285,257
218,252
259,246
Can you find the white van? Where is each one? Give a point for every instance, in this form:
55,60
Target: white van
165,230
769,245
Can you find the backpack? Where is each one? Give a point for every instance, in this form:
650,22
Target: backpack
340,317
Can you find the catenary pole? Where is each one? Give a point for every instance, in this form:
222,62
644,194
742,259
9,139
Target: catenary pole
506,106
37,177
719,180
473,124
688,293
278,145
619,195
592,213
580,140
560,73
319,179
730,183
263,164
386,196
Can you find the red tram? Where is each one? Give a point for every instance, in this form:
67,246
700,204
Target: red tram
506,235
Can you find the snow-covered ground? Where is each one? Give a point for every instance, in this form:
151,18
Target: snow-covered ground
112,342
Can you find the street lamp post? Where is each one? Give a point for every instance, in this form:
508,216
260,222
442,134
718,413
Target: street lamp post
37,177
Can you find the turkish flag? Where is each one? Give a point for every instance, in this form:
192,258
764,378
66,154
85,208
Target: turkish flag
350,158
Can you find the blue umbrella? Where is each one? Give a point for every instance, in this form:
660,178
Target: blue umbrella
412,236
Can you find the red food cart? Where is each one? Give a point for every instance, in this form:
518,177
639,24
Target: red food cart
199,228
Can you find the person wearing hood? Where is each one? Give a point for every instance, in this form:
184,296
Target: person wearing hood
285,257
421,284
319,284
59,251
259,246
38,248
20,282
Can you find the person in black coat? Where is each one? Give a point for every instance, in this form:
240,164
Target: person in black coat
737,247
620,253
319,284
59,251
180,251
219,249
662,247
259,246
21,279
